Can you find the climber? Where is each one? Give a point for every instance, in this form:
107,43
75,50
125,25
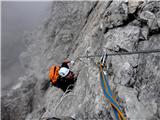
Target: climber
62,76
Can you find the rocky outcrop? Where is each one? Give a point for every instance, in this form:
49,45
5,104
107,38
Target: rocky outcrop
18,103
85,28
150,15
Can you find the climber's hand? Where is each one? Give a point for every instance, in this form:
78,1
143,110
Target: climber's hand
72,62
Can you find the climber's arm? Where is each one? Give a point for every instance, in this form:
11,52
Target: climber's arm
66,61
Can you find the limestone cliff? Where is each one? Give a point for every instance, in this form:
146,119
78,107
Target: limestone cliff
85,28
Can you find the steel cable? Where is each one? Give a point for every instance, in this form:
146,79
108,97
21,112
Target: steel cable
122,53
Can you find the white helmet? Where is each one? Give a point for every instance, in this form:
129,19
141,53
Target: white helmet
63,71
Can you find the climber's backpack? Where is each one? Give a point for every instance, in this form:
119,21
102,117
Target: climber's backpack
53,74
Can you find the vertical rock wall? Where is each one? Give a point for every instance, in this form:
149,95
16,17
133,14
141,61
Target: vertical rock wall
80,28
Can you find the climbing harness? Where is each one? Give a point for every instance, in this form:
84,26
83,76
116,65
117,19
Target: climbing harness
107,90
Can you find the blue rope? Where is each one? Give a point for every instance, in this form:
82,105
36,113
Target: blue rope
106,94
107,84
109,94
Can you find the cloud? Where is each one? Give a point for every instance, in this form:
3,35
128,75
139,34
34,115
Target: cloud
17,17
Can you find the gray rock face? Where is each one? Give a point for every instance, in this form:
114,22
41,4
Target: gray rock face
133,6
85,28
18,103
116,14
150,14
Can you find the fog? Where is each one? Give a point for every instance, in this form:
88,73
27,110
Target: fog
16,19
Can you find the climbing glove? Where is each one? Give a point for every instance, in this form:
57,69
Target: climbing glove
72,62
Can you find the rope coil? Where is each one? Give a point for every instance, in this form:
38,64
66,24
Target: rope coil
109,96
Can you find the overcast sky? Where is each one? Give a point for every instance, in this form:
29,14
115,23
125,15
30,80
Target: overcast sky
17,18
